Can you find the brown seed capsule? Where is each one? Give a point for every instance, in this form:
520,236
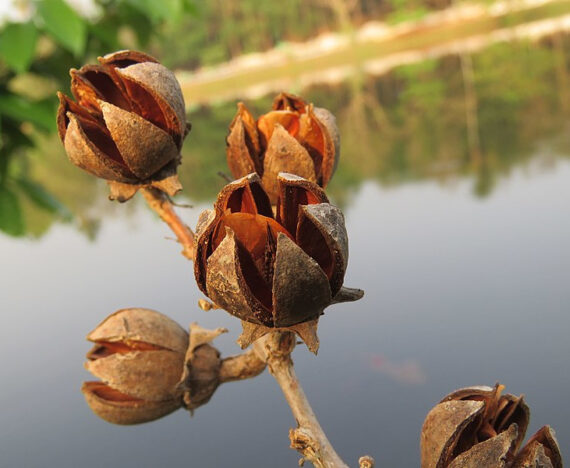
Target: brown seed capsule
127,123
478,427
293,137
201,375
541,450
118,408
149,367
273,271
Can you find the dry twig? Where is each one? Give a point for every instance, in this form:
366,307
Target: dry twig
241,367
308,437
162,205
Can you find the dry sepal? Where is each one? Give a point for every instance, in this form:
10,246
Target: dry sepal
294,137
478,427
127,123
273,271
148,366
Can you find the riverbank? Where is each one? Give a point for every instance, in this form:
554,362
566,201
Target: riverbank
374,48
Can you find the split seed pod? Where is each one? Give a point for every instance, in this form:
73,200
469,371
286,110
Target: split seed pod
149,367
478,427
293,137
127,123
273,271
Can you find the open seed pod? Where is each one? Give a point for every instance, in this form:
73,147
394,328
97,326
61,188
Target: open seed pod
127,123
273,271
478,427
541,450
149,367
293,137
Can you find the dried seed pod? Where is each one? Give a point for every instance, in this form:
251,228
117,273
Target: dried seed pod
273,271
141,357
127,123
541,450
201,375
293,137
118,408
478,427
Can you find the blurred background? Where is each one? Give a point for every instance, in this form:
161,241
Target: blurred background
454,179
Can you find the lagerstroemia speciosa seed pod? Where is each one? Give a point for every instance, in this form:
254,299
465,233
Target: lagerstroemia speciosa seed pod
294,137
273,271
478,427
127,123
149,366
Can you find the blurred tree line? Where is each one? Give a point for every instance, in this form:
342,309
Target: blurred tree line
223,29
411,124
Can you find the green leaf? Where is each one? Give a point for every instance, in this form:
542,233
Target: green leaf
190,7
42,198
158,10
11,221
18,45
40,113
140,24
64,24
106,32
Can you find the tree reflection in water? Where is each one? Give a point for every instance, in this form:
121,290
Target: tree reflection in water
437,119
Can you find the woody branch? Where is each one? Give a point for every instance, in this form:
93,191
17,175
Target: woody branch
308,438
162,205
274,350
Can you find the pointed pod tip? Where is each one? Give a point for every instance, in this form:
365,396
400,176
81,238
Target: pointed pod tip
307,331
348,295
121,192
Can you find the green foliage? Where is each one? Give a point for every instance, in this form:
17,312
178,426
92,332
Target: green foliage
423,91
11,220
204,155
43,199
18,45
219,30
508,77
35,58
406,15
159,11
64,24
40,113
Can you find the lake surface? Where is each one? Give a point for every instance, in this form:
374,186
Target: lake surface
462,247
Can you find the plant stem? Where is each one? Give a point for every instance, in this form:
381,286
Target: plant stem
162,205
241,367
273,350
308,438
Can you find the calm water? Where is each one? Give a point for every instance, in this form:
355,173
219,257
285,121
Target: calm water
463,253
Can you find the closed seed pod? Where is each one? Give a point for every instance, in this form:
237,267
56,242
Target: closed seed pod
149,366
118,408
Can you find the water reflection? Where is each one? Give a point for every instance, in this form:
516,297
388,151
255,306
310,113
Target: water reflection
432,120
473,116
474,292
407,372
